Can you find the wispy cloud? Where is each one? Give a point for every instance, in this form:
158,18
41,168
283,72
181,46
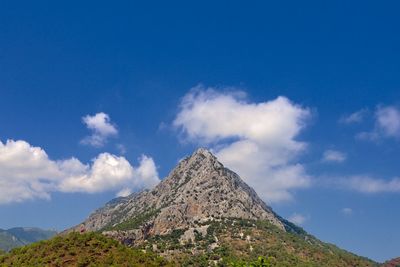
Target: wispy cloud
121,148
347,211
361,183
371,185
334,156
355,117
388,120
101,127
387,124
257,140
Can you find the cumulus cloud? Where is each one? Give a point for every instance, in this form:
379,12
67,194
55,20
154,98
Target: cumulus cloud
355,117
297,219
257,140
111,172
26,172
371,185
334,156
18,163
106,172
387,124
101,127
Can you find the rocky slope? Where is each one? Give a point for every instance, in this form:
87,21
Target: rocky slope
392,263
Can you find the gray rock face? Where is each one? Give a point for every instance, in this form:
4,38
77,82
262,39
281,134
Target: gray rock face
199,189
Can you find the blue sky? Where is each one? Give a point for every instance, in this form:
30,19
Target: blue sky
310,92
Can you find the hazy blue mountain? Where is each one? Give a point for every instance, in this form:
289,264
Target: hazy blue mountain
20,236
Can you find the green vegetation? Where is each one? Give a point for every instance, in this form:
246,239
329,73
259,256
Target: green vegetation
167,242
245,243
227,242
260,262
134,222
89,249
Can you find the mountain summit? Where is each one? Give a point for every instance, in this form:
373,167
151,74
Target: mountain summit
199,189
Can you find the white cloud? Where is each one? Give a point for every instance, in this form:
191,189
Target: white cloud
387,124
355,117
147,171
347,211
297,219
106,172
388,121
367,184
124,192
109,172
26,172
257,140
101,127
18,163
334,156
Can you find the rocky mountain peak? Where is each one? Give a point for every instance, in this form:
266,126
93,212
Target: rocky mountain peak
201,158
202,161
203,152
198,189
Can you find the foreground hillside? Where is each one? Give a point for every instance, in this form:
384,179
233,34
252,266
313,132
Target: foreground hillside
20,236
90,249
239,242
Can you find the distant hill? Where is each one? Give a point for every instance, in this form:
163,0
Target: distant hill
20,236
88,249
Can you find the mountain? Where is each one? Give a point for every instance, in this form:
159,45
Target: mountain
20,236
198,189
204,213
